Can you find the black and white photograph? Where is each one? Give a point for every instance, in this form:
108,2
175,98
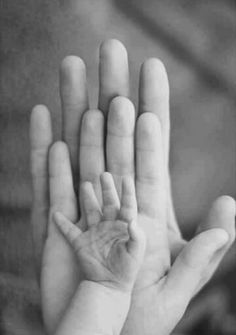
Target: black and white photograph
117,167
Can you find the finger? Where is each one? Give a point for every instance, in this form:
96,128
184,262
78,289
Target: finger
192,263
70,231
111,204
154,98
62,196
91,207
74,99
137,242
221,215
120,140
128,206
113,73
91,150
40,141
150,177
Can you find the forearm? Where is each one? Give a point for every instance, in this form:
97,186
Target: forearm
95,310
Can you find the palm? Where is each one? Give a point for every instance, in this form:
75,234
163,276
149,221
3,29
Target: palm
111,249
157,255
103,247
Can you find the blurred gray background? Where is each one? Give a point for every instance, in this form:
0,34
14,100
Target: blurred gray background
197,42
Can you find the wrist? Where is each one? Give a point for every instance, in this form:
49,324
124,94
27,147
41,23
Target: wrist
90,307
142,317
107,289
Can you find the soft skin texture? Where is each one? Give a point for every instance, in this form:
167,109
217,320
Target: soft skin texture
109,309
154,109
109,253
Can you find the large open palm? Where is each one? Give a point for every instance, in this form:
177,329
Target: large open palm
164,241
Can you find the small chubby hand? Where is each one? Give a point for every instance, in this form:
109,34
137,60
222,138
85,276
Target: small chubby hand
111,250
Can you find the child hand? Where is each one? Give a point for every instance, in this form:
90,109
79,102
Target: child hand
111,250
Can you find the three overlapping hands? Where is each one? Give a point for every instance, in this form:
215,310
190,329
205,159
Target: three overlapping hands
115,138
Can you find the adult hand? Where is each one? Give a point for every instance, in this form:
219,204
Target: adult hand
177,263
59,276
163,288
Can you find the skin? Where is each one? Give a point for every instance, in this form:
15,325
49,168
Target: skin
151,177
109,252
109,305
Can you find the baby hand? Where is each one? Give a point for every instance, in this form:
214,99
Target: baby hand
111,250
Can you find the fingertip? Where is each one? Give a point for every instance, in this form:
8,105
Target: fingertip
155,66
40,111
121,103
73,91
222,215
220,237
154,79
71,64
226,204
92,120
121,116
107,182
112,47
59,146
106,178
57,150
148,121
149,130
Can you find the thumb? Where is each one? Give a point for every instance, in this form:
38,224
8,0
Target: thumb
192,263
221,215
